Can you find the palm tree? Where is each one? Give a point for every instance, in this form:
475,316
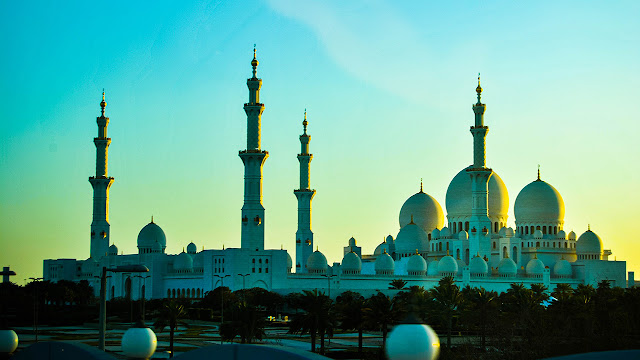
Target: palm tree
248,322
448,297
170,315
481,308
316,319
382,311
350,307
397,284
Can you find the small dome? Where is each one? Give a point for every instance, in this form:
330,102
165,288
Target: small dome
562,235
381,248
510,232
503,232
448,265
416,265
463,235
317,262
477,266
113,250
289,261
562,268
539,202
191,248
458,198
183,262
389,239
151,234
537,234
351,263
432,269
572,235
535,267
385,264
589,243
425,210
435,234
445,233
411,238
352,242
507,267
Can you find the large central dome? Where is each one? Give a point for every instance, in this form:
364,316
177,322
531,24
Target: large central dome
424,209
458,200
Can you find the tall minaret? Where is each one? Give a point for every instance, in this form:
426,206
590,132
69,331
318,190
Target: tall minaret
304,235
479,224
101,184
252,235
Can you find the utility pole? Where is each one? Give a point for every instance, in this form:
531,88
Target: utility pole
329,282
143,296
222,302
243,287
35,306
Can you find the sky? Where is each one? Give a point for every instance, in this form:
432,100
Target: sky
388,88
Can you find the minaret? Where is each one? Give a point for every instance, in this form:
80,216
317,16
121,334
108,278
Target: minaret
252,234
479,224
101,184
304,235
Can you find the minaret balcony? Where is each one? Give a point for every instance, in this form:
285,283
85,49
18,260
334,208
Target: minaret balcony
253,151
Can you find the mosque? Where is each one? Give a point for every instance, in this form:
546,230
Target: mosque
475,247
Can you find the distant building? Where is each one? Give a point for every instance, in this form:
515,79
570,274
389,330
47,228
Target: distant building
475,246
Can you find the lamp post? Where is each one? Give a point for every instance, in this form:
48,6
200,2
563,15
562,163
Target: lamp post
243,288
103,296
35,306
329,282
143,296
221,302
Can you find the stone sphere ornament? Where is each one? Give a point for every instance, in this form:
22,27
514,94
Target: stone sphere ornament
139,342
8,341
413,340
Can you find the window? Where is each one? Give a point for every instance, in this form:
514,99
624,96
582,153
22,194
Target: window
266,270
260,261
466,226
260,270
454,228
495,227
253,261
253,270
266,261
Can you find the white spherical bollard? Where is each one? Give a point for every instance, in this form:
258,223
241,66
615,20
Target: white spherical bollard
413,340
139,342
8,341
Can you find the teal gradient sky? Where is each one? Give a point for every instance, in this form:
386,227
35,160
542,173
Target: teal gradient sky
388,87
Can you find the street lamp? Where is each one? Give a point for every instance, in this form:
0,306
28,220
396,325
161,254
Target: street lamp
35,306
143,296
103,295
243,288
329,281
222,302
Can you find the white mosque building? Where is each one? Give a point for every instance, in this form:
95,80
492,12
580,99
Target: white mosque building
475,247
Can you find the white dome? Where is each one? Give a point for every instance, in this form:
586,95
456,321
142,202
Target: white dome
352,242
317,262
562,268
381,248
478,266
463,235
535,267
389,239
411,238
572,235
503,232
448,265
151,234
445,233
562,235
191,248
539,202
458,200
507,267
432,269
589,243
385,264
435,234
183,262
416,265
426,212
537,234
113,250
510,232
289,261
351,262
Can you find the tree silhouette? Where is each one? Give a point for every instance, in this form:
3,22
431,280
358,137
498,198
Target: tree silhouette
448,298
170,315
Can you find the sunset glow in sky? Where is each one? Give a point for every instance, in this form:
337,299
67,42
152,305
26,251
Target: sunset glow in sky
388,88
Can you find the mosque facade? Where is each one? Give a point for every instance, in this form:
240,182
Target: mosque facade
472,243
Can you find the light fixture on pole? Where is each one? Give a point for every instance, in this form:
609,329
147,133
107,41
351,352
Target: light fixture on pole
103,296
35,305
143,295
243,287
221,277
329,281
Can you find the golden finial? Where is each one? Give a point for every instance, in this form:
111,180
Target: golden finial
152,219
588,227
254,62
479,88
183,249
304,122
103,103
417,253
316,247
447,252
535,255
385,250
420,184
538,172
411,220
